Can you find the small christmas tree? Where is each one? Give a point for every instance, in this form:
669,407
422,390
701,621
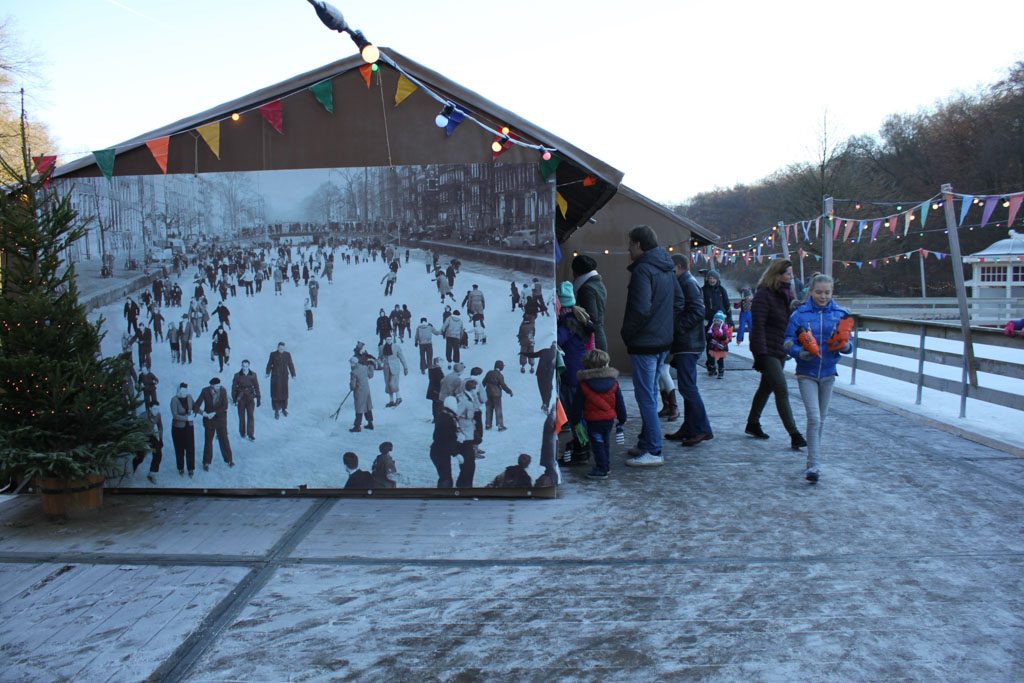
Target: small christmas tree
65,412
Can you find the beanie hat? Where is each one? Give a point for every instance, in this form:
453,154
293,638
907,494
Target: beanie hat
714,274
719,315
566,297
583,264
215,380
451,404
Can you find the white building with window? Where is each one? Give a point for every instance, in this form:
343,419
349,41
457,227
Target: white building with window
998,269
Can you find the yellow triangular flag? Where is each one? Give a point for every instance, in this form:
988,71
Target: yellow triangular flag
405,88
211,133
563,205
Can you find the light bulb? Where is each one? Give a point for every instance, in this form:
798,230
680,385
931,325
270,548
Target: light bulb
375,68
235,116
441,121
606,251
496,146
504,130
370,53
1006,203
546,156
935,205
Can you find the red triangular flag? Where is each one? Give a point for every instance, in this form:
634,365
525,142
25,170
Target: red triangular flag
1015,202
274,115
158,148
44,166
366,70
589,181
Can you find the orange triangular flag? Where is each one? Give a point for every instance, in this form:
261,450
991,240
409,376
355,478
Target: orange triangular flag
560,418
405,88
211,133
158,148
367,72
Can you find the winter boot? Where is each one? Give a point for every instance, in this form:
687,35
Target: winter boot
754,430
356,426
664,403
797,441
672,412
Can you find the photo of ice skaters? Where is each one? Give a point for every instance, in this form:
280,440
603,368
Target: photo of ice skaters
337,328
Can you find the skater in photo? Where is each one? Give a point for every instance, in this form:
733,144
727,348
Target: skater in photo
405,329
183,434
383,326
279,278
818,331
474,301
514,476
424,341
156,445
466,407
172,340
307,310
245,394
357,478
526,335
389,281
156,321
479,328
443,288
453,330
451,385
392,361
599,405
148,381
279,368
719,334
185,341
435,375
213,404
445,443
361,366
220,347
145,342
131,314
515,297
223,314
384,468
494,385
395,319
314,291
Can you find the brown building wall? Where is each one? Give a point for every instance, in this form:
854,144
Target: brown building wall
614,222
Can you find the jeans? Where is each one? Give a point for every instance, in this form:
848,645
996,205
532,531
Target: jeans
695,415
600,432
773,381
665,382
646,368
744,326
816,394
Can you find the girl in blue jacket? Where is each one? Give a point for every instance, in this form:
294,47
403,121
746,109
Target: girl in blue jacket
818,332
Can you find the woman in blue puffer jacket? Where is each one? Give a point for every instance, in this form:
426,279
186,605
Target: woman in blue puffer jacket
818,332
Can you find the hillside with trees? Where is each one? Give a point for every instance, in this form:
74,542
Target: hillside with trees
974,141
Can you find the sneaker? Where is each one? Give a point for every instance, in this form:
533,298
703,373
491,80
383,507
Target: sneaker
645,460
369,425
191,473
597,474
181,473
755,431
285,411
811,475
231,464
797,440
696,439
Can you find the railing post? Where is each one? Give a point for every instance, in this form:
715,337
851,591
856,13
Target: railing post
856,345
826,238
920,364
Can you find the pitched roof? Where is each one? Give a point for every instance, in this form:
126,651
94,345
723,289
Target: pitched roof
698,231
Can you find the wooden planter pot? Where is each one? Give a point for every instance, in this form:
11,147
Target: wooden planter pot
76,498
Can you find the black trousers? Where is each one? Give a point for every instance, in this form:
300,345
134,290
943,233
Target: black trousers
452,349
247,418
426,355
218,427
443,464
773,381
184,439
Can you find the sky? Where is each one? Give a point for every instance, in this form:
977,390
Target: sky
682,97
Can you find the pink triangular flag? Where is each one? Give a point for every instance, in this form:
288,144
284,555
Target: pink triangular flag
1015,202
274,115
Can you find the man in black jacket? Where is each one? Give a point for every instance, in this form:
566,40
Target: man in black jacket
653,300
213,404
687,344
245,393
591,295
715,299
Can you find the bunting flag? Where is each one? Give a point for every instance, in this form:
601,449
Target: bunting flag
906,222
273,114
923,253
965,207
158,148
924,213
874,230
105,160
836,229
806,225
548,167
560,418
454,119
506,144
563,205
366,71
847,230
817,226
558,253
893,222
44,166
589,181
785,231
746,258
990,206
211,134
324,94
1015,202
404,89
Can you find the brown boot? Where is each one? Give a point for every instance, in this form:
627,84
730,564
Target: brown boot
664,404
671,407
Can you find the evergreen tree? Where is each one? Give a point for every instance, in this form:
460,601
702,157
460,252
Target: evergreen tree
65,412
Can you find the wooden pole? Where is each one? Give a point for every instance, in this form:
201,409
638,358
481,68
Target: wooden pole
826,243
970,372
924,291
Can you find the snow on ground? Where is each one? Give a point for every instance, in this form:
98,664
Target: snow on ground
987,419
306,447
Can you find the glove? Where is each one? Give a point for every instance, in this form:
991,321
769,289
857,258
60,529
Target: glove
809,343
620,436
841,337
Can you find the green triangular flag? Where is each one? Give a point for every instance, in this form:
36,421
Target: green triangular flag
548,167
324,93
105,160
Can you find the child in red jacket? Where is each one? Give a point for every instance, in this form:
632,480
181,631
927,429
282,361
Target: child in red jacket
719,336
598,401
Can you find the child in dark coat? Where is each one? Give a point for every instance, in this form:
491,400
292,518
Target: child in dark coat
357,478
384,467
599,403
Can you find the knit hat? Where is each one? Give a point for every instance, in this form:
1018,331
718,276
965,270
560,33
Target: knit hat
719,316
583,264
714,274
566,297
451,404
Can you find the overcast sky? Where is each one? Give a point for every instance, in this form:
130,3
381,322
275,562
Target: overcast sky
681,96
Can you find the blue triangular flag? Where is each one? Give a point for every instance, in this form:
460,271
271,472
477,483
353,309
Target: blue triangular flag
558,253
454,119
965,207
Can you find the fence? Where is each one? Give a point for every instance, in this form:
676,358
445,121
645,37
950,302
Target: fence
982,311
938,330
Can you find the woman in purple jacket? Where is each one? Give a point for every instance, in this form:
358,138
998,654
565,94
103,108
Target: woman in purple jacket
769,314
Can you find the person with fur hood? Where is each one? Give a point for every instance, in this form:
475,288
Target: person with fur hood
715,299
599,404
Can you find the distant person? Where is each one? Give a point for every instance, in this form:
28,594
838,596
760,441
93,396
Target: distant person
746,299
715,299
357,478
591,295
279,368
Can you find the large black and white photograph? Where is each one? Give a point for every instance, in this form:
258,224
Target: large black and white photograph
359,328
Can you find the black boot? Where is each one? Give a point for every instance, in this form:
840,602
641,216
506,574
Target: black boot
754,430
359,421
797,440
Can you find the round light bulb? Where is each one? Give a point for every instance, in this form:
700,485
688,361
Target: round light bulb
441,121
935,205
606,251
370,54
546,156
235,116
375,68
496,146
504,130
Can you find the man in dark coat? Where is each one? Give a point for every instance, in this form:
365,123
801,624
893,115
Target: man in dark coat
434,377
220,347
591,295
687,344
653,299
357,478
715,299
494,384
279,367
245,393
445,444
213,404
